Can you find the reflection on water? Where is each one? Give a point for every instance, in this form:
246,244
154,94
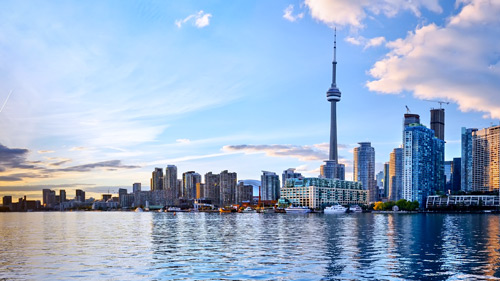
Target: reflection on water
163,246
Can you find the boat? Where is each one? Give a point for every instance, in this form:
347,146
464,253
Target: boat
355,209
175,209
139,210
297,210
248,210
225,210
335,209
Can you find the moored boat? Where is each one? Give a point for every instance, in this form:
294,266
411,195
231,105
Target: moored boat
335,209
225,210
297,210
248,210
355,209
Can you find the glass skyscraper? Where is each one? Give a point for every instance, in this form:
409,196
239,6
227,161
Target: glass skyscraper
466,171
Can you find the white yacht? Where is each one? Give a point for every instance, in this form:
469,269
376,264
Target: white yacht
297,210
248,210
335,209
355,209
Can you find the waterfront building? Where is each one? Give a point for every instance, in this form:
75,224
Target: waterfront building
289,174
189,181
227,188
332,169
106,197
49,198
486,159
396,175
386,178
127,200
80,195
434,201
244,193
466,162
457,174
448,173
364,169
200,190
423,163
380,179
136,187
317,193
270,186
212,187
62,196
171,182
437,122
157,179
7,201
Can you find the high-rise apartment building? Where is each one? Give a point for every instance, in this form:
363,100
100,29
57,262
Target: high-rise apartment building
289,174
270,186
170,183
227,188
80,195
486,159
437,122
212,187
396,175
244,193
466,162
386,179
49,197
7,201
457,174
62,196
364,169
157,179
136,187
189,181
423,163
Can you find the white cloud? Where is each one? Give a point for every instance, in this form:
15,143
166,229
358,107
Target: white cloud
184,141
288,14
360,40
352,13
457,62
201,19
45,151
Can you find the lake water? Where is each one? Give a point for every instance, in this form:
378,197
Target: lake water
203,246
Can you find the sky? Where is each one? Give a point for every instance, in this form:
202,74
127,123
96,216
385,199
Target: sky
95,94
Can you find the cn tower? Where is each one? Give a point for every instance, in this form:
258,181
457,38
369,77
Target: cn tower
332,168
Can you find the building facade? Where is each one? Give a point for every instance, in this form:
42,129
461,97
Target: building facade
289,174
423,163
396,175
466,163
157,179
317,193
189,181
270,186
212,187
486,159
364,169
228,183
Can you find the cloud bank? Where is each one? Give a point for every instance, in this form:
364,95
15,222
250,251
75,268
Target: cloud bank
317,152
459,61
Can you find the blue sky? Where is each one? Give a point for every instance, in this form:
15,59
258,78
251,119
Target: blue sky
103,92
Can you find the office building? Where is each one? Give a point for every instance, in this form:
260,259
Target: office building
395,175
332,169
227,188
466,162
364,169
486,159
270,186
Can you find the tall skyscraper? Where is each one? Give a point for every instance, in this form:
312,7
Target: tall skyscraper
227,188
136,187
189,181
423,163
448,175
244,193
289,174
486,159
437,122
62,196
457,174
386,179
396,175
157,179
49,197
332,168
212,187
270,186
171,182
364,169
80,195
466,169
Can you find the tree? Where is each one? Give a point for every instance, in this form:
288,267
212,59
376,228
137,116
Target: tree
379,206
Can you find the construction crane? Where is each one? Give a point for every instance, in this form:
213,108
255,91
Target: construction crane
407,110
440,102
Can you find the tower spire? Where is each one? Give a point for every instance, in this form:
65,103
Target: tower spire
334,63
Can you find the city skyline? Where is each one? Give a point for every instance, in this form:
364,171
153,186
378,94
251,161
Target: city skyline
100,99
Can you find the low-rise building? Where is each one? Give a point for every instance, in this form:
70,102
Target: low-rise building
441,201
